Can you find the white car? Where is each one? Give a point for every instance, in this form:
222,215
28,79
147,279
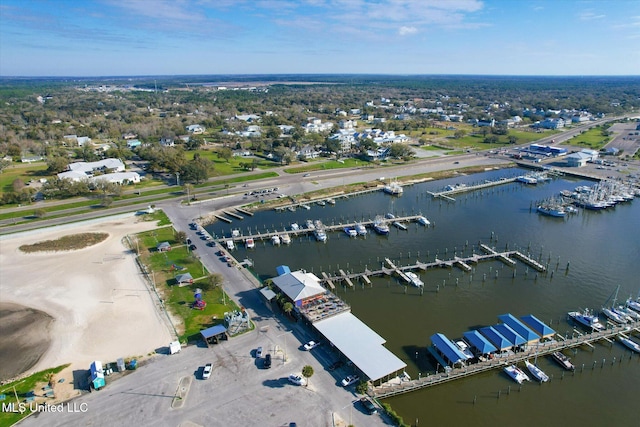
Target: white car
206,373
310,345
297,379
351,379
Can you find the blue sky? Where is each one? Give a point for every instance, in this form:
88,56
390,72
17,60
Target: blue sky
165,37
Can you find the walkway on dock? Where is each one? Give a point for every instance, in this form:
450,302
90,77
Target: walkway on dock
446,194
384,391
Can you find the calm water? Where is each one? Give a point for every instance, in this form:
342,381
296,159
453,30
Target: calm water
601,248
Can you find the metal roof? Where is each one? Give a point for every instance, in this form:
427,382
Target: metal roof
447,348
510,334
496,338
537,325
520,328
360,344
479,342
213,331
299,285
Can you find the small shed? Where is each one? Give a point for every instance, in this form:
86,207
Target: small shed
96,375
163,247
184,279
214,334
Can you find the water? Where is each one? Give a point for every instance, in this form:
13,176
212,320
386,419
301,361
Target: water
601,249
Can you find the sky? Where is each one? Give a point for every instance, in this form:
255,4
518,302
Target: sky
402,37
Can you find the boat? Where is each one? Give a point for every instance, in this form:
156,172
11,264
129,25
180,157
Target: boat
230,245
320,235
587,318
291,208
284,238
423,221
536,372
399,225
331,201
235,233
611,312
633,315
630,344
390,216
360,229
554,211
321,203
275,240
393,188
516,373
380,225
350,231
307,207
309,224
527,179
634,305
249,243
563,360
415,280
295,226
464,348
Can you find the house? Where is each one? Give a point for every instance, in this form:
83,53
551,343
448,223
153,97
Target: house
31,159
184,279
133,143
82,140
163,247
550,124
248,117
184,138
167,142
128,136
308,152
115,165
486,123
315,125
195,129
577,159
348,124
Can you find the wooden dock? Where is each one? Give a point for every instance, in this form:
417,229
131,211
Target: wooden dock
233,214
223,218
446,194
542,349
244,212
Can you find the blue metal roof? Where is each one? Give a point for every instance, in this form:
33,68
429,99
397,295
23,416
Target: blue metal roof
447,348
538,326
496,338
520,328
509,334
479,342
282,269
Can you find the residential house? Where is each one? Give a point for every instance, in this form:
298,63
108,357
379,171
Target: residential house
129,136
133,143
550,123
308,152
195,129
167,142
248,117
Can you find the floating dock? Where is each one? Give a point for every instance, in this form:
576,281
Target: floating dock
244,212
446,194
223,218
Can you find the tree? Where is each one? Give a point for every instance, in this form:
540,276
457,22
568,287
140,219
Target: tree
459,134
512,139
213,280
287,307
181,236
39,213
225,153
17,185
307,372
57,164
4,164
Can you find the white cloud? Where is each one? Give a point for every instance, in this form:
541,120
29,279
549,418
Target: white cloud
589,16
404,31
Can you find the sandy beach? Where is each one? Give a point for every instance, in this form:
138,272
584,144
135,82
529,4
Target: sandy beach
94,303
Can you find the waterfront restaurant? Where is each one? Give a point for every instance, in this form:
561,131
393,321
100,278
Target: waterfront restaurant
300,287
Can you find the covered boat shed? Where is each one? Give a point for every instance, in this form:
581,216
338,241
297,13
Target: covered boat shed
509,334
521,329
361,345
447,349
496,338
539,326
479,343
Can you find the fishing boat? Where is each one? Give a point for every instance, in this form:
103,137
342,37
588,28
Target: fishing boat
423,221
536,372
321,203
380,226
516,374
632,345
587,318
295,226
284,238
415,280
249,243
563,360
291,208
554,211
393,188
307,207
351,232
230,245
320,235
464,348
360,229
275,240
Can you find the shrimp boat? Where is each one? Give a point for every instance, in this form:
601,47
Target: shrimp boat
632,345
563,361
516,374
380,225
536,372
393,188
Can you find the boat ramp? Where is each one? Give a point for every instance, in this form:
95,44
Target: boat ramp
541,349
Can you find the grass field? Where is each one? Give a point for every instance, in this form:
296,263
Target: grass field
25,171
592,138
326,165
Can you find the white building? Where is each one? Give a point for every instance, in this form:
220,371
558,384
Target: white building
89,167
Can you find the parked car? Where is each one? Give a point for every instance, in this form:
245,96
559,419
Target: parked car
192,247
206,373
258,352
336,365
188,241
310,345
297,379
267,361
368,405
350,379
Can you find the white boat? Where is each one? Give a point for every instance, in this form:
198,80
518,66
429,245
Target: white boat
630,344
309,224
249,243
275,240
350,231
612,315
464,348
393,188
230,245
587,318
536,372
321,203
424,221
307,207
291,208
415,280
634,305
516,373
527,179
285,239
295,226
235,233
633,315
331,201
320,235
563,360
380,225
390,216
360,229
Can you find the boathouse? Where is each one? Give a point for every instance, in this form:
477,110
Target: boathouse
447,349
480,345
511,335
496,338
521,329
538,326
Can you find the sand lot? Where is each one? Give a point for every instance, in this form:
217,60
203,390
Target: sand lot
96,296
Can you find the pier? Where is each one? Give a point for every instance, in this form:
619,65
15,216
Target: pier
244,212
541,349
233,214
446,194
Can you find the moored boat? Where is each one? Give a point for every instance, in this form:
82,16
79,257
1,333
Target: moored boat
587,318
295,226
536,372
350,231
331,201
284,238
613,316
380,226
230,245
563,360
423,221
360,229
634,305
275,240
632,345
393,188
516,374
557,212
415,280
249,243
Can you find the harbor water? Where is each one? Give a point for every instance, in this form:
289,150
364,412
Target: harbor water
588,254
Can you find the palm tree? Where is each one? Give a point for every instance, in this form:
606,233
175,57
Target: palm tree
287,307
307,372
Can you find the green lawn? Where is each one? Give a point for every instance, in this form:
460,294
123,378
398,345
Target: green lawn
25,171
326,165
222,167
592,138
